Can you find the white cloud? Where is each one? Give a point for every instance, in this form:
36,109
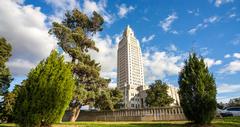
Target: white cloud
194,12
147,39
227,56
225,98
107,52
89,6
123,10
232,67
146,19
172,47
204,24
236,55
236,39
211,19
232,15
20,66
24,27
167,22
174,32
60,7
218,3
211,62
112,84
228,88
158,65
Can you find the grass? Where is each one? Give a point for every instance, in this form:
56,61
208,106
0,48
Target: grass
224,122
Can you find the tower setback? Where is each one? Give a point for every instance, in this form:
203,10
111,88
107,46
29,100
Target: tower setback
130,73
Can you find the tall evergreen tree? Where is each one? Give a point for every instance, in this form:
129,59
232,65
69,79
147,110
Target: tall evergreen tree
45,94
74,35
197,90
5,75
157,95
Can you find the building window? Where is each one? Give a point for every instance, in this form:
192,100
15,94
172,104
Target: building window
132,105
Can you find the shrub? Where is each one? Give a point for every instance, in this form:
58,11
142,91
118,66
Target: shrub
45,94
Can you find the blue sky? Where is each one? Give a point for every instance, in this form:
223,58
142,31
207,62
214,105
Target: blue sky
167,30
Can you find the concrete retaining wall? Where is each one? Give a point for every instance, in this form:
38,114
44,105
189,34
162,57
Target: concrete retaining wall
149,114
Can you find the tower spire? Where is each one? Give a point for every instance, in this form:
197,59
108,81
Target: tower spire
128,31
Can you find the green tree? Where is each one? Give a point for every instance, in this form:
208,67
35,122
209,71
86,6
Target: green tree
45,94
157,95
8,104
109,99
5,75
197,91
221,105
74,35
234,102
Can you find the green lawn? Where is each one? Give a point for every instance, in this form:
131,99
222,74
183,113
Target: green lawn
225,122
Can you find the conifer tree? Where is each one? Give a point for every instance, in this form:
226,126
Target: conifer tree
74,35
45,94
5,75
197,91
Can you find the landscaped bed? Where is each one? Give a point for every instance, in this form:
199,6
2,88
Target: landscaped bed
220,122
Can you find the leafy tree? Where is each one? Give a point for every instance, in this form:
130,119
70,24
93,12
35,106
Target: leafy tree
74,35
5,75
45,94
221,105
234,102
109,99
197,91
8,104
157,95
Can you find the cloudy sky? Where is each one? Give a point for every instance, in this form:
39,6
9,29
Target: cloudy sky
167,31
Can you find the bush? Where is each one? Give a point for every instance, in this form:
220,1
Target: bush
45,94
197,91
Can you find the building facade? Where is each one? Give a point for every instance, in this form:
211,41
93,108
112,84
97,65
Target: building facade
130,73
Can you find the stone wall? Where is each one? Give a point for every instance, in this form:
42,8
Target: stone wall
149,114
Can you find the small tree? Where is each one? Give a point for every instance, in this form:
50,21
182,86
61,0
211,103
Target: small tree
157,95
234,102
197,91
45,94
9,103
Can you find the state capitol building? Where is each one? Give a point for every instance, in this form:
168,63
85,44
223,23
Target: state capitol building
130,73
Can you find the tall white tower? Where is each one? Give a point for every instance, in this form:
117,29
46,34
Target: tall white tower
130,74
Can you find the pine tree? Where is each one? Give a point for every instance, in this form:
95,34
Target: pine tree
157,95
197,91
5,75
74,35
45,94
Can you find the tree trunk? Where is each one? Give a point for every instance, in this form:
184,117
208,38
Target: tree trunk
75,114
